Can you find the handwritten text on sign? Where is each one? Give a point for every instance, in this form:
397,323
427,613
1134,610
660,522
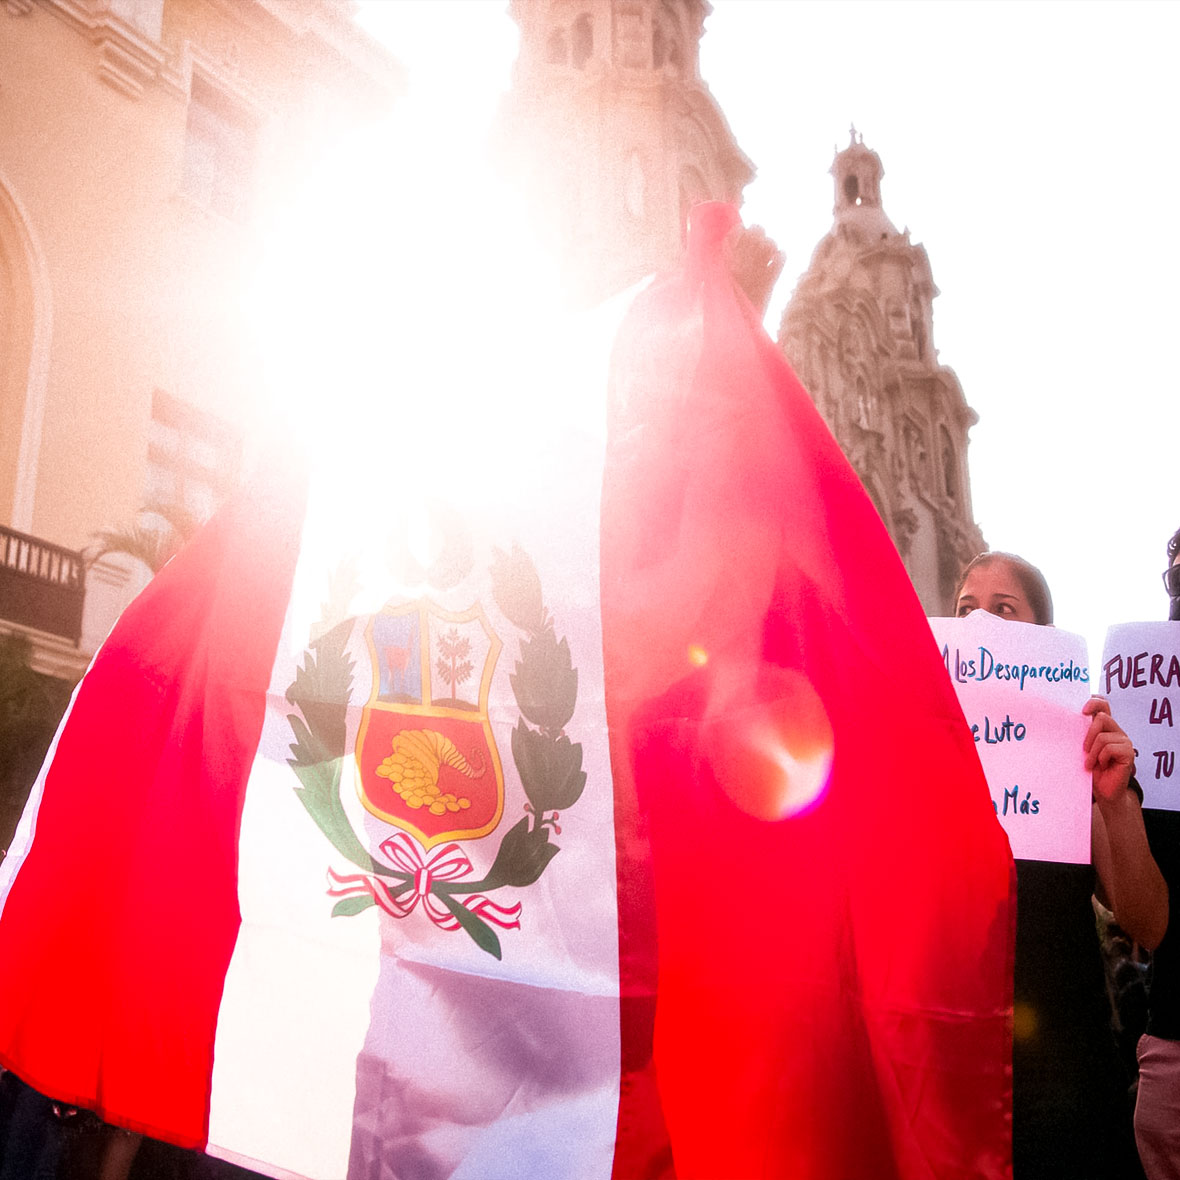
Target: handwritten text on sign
1141,676
1022,689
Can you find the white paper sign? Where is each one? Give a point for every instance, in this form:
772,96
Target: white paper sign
1141,676
1022,689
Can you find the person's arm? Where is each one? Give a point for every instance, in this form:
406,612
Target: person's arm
1130,882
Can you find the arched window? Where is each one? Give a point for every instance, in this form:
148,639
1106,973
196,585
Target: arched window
950,474
919,325
693,190
583,40
25,334
864,403
916,453
898,324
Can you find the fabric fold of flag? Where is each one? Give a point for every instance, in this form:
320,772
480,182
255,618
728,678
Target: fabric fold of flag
815,907
119,897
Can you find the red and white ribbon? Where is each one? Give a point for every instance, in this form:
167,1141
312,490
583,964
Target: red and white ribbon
400,899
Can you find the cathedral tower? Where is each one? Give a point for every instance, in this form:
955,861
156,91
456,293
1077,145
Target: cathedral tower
858,331
611,131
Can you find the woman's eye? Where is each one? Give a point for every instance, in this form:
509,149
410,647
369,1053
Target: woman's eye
963,611
1005,608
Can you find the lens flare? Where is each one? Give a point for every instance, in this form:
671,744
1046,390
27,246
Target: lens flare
773,756
412,339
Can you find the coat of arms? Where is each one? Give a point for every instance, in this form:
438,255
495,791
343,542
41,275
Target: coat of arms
427,763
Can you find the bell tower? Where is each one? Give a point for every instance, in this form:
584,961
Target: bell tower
612,135
858,173
859,332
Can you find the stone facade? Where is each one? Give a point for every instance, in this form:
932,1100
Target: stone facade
858,331
137,138
611,131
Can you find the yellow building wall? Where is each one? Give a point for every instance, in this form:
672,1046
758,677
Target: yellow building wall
16,344
144,283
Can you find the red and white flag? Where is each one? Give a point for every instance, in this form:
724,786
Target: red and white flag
623,824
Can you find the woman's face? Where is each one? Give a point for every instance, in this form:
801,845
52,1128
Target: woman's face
995,588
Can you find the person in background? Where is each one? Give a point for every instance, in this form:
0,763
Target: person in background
1070,1113
1157,1106
1172,578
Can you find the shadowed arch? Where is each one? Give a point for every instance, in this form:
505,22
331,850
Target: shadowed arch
26,322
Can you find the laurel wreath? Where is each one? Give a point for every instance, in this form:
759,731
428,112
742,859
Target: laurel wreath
545,684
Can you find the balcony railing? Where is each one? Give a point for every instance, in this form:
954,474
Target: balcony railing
41,585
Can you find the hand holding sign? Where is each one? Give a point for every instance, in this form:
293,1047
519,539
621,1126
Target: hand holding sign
1110,756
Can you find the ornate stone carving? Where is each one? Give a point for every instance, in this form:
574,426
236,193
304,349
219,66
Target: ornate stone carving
129,58
868,289
917,459
559,131
905,527
127,62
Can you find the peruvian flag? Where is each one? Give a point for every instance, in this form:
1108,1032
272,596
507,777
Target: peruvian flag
606,812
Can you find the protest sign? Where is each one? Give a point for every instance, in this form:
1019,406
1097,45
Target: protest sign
1141,678
1022,688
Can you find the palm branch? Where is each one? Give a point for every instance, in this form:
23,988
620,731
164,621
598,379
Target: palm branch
144,542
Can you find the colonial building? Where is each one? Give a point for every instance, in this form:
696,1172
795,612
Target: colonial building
136,140
859,333
611,130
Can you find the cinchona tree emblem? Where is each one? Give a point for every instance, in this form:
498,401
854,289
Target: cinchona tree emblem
427,764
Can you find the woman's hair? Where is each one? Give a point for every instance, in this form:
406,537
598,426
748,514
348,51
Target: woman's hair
1174,545
1031,580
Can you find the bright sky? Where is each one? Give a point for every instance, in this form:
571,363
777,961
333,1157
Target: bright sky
1030,148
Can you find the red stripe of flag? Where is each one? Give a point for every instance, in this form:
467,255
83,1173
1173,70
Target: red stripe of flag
119,926
821,993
